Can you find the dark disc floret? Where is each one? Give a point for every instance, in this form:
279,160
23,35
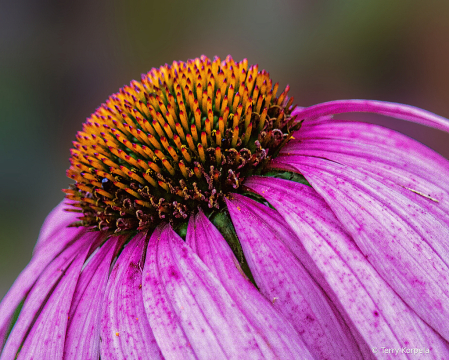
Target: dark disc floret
181,139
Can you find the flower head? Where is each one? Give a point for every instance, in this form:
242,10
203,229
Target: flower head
212,219
181,139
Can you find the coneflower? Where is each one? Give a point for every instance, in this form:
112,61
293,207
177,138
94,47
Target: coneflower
211,218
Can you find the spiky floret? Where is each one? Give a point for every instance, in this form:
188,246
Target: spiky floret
180,139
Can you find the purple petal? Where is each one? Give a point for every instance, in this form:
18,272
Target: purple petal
191,314
399,111
282,278
53,244
126,332
274,329
393,159
55,227
83,329
40,291
358,291
315,120
375,149
163,319
47,336
406,166
403,240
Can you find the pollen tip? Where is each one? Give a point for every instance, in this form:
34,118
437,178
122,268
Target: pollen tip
149,145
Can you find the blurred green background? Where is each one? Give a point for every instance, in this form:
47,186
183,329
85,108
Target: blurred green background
59,60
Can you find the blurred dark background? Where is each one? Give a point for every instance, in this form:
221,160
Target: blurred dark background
59,60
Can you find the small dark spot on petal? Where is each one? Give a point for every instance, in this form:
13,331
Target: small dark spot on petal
173,272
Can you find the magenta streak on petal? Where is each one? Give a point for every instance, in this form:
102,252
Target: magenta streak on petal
83,329
399,111
282,278
270,327
28,276
126,332
46,338
191,237
39,293
163,319
358,291
400,238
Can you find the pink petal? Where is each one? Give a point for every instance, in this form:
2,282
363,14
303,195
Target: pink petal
282,278
126,332
375,149
399,111
40,291
55,227
191,314
403,241
52,244
83,329
315,120
274,329
47,336
362,296
407,167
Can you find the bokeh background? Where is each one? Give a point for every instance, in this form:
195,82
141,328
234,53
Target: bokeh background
59,60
